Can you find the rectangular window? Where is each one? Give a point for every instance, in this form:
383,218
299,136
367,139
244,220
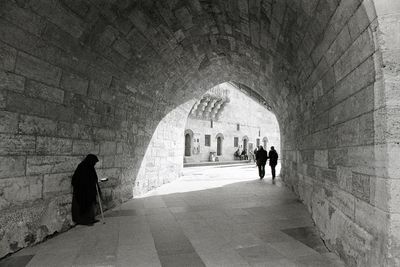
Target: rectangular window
238,127
235,141
207,140
212,124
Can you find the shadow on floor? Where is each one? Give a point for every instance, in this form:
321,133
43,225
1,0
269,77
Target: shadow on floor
242,222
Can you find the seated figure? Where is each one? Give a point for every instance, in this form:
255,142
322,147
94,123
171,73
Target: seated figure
244,156
236,155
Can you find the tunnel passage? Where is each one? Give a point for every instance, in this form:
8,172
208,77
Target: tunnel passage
98,76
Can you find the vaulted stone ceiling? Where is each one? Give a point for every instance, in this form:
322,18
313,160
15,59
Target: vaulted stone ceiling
278,47
171,40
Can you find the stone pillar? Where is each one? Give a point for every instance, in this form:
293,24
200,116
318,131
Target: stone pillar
387,185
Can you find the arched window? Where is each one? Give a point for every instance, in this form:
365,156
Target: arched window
220,139
265,142
188,142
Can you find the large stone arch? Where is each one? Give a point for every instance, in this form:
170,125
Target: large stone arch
102,77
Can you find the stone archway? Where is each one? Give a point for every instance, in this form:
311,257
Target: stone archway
101,78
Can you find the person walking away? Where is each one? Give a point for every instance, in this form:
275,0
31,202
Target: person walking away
273,161
84,183
261,158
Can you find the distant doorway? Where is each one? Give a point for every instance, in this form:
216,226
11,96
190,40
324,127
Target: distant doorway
188,146
220,139
219,146
245,144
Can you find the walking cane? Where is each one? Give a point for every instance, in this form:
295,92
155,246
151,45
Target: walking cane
101,207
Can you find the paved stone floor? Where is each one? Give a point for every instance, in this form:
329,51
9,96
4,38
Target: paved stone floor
212,216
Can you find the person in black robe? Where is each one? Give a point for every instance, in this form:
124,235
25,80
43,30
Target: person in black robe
273,161
261,158
84,183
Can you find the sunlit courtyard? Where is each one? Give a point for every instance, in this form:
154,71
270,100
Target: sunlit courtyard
208,177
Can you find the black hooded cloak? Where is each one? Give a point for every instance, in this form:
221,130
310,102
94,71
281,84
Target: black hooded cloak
84,183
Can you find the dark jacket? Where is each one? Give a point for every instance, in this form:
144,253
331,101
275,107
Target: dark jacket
273,158
261,156
84,183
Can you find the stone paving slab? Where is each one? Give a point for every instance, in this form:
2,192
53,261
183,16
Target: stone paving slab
241,221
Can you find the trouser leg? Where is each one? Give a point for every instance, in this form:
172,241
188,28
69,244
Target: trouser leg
260,170
273,171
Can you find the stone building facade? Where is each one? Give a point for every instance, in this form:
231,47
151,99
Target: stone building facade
106,76
242,123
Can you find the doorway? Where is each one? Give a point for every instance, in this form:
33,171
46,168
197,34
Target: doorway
188,146
219,146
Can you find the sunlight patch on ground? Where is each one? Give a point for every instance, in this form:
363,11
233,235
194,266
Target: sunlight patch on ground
207,177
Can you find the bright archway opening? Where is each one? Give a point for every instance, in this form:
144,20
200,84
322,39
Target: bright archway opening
227,119
227,123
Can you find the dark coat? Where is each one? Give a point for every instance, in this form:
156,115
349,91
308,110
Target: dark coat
84,183
261,156
273,158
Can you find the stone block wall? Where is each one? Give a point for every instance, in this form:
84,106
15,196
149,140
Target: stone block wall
163,160
387,91
338,164
63,95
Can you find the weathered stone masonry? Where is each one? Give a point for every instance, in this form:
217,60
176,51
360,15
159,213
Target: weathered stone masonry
98,76
61,99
